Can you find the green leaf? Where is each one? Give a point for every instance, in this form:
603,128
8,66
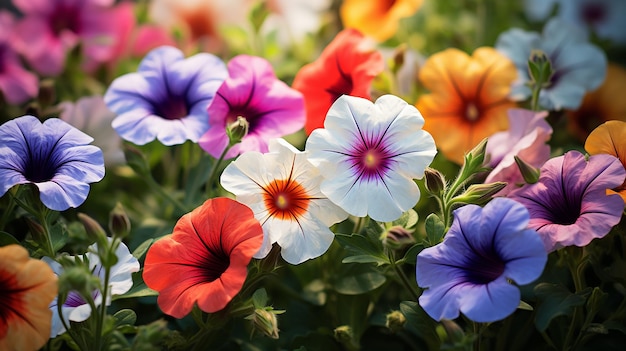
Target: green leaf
7,239
142,248
363,248
58,236
198,176
139,289
125,317
556,301
408,219
435,229
420,324
358,279
410,256
259,298
366,259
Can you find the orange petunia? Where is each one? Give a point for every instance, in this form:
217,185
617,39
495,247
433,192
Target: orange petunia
609,138
468,98
377,18
27,287
205,259
603,104
346,66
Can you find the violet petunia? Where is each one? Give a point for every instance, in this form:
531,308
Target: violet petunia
578,66
369,154
48,31
526,138
17,85
252,91
472,271
569,205
166,98
52,155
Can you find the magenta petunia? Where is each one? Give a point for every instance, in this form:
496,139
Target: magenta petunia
252,91
50,29
569,204
17,85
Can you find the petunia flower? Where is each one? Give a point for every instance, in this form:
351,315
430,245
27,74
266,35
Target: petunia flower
377,18
205,259
52,155
17,85
50,29
292,20
370,153
578,66
474,271
569,204
283,190
75,308
610,138
252,91
601,105
526,138
603,17
27,286
348,65
468,98
90,115
166,98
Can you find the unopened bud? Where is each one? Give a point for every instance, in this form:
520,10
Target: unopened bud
136,160
398,237
264,321
36,230
476,156
479,194
395,321
237,130
435,181
529,173
539,68
93,229
78,278
343,334
398,57
119,223
453,331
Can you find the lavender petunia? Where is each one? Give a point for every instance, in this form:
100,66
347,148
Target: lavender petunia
526,138
54,156
569,204
578,66
369,154
75,308
166,98
252,91
471,270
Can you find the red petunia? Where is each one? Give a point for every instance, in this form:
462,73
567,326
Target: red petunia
346,66
205,259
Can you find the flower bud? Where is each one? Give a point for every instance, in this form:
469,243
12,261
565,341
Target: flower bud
435,181
94,231
78,278
398,237
237,130
479,194
530,173
343,334
395,321
264,321
539,68
398,57
136,160
476,156
454,332
119,223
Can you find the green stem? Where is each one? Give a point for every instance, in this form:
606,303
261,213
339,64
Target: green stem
166,195
105,292
43,219
8,211
534,100
215,169
66,326
404,279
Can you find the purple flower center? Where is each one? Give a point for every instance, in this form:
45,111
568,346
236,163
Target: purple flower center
75,300
41,165
593,13
65,18
563,210
483,269
370,160
174,107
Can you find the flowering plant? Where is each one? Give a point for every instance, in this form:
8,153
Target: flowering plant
312,175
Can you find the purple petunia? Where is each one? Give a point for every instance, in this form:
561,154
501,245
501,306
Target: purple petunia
252,91
569,204
166,98
471,270
54,156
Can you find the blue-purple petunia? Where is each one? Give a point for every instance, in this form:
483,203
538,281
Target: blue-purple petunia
167,98
577,65
569,204
472,271
54,156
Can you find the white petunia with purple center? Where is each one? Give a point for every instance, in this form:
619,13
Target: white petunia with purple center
370,154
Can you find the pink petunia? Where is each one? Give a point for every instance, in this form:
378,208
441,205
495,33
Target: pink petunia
16,84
